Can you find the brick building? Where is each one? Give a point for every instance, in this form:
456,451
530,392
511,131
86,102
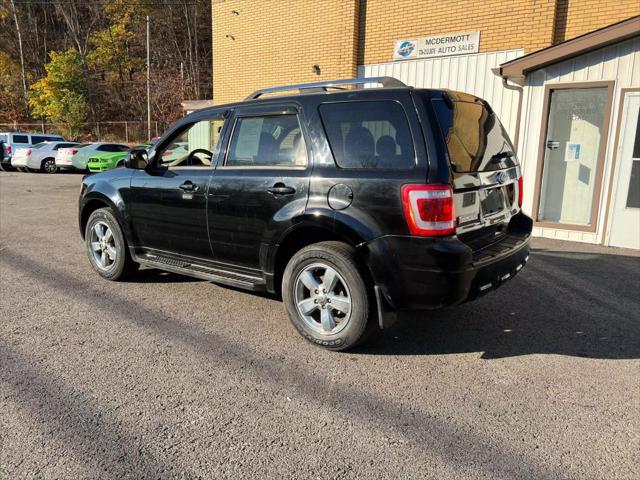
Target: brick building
462,45
279,41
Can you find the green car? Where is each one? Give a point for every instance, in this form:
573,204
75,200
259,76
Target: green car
108,160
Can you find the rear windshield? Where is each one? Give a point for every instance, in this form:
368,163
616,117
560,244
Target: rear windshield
474,136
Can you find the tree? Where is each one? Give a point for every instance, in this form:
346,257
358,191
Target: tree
12,103
61,96
80,18
110,37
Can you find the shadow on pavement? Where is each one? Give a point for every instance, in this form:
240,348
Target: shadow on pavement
151,275
495,458
78,421
566,303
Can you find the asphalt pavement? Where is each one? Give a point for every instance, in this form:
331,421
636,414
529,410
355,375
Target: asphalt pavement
170,377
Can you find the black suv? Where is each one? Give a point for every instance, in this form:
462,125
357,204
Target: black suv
352,203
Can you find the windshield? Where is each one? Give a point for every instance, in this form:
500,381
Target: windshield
475,138
39,145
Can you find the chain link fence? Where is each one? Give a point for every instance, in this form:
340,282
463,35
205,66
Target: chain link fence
124,131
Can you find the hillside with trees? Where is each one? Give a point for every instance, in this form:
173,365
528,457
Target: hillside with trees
76,63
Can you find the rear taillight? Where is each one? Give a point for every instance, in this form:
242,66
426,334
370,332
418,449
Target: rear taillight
166,153
520,191
429,210
73,152
29,153
8,148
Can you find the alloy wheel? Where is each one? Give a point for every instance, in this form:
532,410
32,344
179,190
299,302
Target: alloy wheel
103,245
323,299
50,166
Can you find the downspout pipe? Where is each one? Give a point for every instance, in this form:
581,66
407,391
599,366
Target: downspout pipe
516,88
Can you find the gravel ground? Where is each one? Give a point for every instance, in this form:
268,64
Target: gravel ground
170,377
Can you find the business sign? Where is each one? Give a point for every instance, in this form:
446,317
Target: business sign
437,46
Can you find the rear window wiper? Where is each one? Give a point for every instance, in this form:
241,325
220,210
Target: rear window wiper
501,155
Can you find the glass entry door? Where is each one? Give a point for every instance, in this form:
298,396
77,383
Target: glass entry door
625,224
575,131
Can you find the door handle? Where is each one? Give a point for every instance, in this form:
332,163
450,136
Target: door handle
281,189
189,186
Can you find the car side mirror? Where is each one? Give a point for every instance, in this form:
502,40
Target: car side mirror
137,158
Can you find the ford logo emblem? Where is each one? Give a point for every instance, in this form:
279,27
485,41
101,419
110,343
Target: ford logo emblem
502,177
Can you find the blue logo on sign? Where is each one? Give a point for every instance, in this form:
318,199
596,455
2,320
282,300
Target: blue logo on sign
406,48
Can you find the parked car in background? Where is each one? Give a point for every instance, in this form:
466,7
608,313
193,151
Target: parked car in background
77,157
40,157
14,140
411,199
106,161
176,153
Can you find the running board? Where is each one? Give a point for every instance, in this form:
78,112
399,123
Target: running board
203,272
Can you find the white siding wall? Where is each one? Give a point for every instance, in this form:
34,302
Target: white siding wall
619,62
466,73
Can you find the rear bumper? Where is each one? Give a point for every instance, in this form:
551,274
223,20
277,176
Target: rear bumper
63,163
417,273
19,162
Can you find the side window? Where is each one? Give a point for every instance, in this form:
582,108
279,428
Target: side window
63,145
267,141
122,148
368,134
36,139
195,146
103,148
20,139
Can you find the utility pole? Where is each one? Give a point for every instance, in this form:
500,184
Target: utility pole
148,84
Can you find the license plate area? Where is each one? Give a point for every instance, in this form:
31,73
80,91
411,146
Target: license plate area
492,201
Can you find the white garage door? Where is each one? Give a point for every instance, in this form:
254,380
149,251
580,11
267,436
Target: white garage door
466,73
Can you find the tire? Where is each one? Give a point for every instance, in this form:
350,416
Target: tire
103,247
326,323
48,166
6,167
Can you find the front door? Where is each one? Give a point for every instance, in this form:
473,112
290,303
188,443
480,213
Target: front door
259,185
625,221
168,208
574,152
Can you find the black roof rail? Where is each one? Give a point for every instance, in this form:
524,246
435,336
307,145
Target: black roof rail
386,82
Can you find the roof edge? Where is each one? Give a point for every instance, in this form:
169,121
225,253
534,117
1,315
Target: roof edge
517,69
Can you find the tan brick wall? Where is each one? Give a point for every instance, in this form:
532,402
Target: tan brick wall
577,17
503,24
277,42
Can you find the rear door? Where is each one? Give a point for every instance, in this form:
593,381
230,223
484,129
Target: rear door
260,184
484,169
